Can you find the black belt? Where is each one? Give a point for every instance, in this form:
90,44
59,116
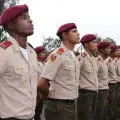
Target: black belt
118,83
12,118
103,90
87,91
113,83
61,100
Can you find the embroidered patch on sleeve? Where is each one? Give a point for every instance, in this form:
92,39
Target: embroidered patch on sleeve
60,51
53,58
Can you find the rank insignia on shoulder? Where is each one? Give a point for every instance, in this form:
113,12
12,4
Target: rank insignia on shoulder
60,51
53,58
5,44
84,54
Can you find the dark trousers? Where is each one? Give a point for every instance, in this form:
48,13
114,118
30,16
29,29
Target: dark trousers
102,105
112,101
38,110
39,106
59,110
117,113
86,104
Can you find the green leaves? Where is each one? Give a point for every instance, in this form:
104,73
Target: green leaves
3,5
51,43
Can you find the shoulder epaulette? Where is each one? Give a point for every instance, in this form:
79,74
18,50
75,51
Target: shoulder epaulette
5,44
84,54
60,51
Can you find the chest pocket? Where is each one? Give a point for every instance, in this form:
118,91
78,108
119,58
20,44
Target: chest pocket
67,69
88,68
68,66
104,68
37,68
20,70
112,68
17,75
104,71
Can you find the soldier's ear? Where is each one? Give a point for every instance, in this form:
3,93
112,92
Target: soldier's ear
86,45
64,35
10,25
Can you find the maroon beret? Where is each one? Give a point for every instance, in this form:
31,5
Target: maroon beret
66,27
103,44
12,12
39,49
113,48
88,38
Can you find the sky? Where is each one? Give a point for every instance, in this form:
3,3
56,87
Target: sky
90,16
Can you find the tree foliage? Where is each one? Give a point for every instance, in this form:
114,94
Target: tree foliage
50,43
110,40
9,3
3,5
98,38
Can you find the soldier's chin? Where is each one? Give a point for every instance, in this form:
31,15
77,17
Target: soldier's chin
30,33
78,42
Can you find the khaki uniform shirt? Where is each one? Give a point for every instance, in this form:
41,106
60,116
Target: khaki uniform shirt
63,73
102,73
118,70
88,72
41,68
112,76
18,82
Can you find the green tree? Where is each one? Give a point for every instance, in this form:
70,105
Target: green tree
98,38
9,3
110,40
79,48
3,5
50,43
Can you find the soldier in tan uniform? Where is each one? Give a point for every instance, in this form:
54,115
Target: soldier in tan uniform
40,51
18,66
88,82
112,78
117,113
60,76
102,101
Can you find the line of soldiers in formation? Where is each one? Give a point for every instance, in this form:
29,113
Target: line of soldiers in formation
74,87
99,84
